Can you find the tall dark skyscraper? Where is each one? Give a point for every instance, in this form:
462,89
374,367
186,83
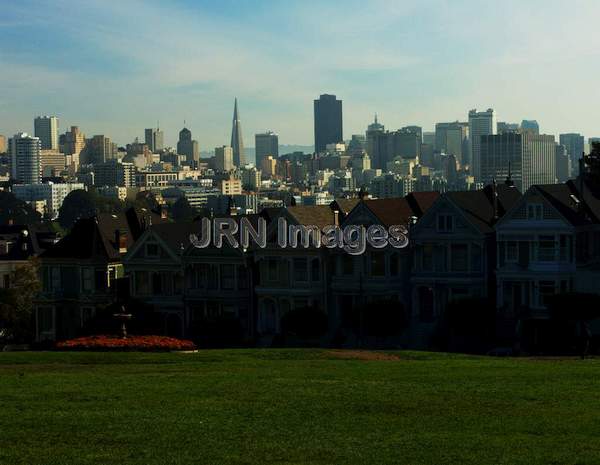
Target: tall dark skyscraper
237,142
328,122
188,147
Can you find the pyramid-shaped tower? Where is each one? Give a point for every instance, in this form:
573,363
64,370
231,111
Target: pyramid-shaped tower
237,143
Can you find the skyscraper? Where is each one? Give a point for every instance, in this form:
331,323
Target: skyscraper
481,123
328,122
530,157
25,159
237,142
2,144
154,139
188,147
563,163
99,149
377,144
451,138
530,125
266,144
46,128
575,147
224,158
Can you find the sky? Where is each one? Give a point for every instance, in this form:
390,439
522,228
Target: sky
116,67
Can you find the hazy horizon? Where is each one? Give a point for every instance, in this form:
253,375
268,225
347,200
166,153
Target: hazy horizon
116,69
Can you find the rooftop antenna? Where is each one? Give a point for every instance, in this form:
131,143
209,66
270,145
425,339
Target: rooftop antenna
509,182
495,199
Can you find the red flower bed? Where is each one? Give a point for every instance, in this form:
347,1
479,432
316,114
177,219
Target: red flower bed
149,343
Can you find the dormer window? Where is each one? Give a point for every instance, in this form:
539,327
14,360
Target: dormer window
445,223
535,211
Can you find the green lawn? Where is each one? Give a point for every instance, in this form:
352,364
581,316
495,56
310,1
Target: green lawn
296,406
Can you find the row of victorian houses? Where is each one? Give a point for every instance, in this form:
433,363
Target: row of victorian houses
513,250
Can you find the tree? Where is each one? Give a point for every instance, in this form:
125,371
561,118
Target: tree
16,302
182,210
379,318
468,324
77,204
147,200
305,323
578,307
16,211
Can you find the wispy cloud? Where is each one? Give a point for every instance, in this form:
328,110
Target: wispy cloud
115,67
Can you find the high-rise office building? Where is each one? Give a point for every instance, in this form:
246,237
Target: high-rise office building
377,144
269,166
406,142
224,158
328,122
503,126
114,173
237,141
2,144
481,123
25,159
575,144
530,125
154,139
266,144
530,158
563,163
46,128
188,147
99,149
429,137
452,138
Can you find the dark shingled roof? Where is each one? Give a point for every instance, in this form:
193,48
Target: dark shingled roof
96,238
317,215
564,197
478,206
25,241
344,205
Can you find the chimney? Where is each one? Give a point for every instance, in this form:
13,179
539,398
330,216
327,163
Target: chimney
121,241
336,217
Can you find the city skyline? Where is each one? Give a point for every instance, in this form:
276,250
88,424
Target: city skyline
101,82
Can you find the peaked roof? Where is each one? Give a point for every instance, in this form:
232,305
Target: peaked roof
87,240
25,241
566,199
478,206
344,205
317,215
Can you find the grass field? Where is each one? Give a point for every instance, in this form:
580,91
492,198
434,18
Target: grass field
296,406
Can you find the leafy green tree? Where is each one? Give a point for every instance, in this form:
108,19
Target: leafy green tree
16,211
182,211
77,204
16,302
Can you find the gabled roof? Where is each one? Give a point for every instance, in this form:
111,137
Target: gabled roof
391,211
567,201
26,240
87,240
420,202
344,205
478,206
96,238
317,215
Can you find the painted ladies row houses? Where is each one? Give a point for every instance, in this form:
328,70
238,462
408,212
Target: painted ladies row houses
508,249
